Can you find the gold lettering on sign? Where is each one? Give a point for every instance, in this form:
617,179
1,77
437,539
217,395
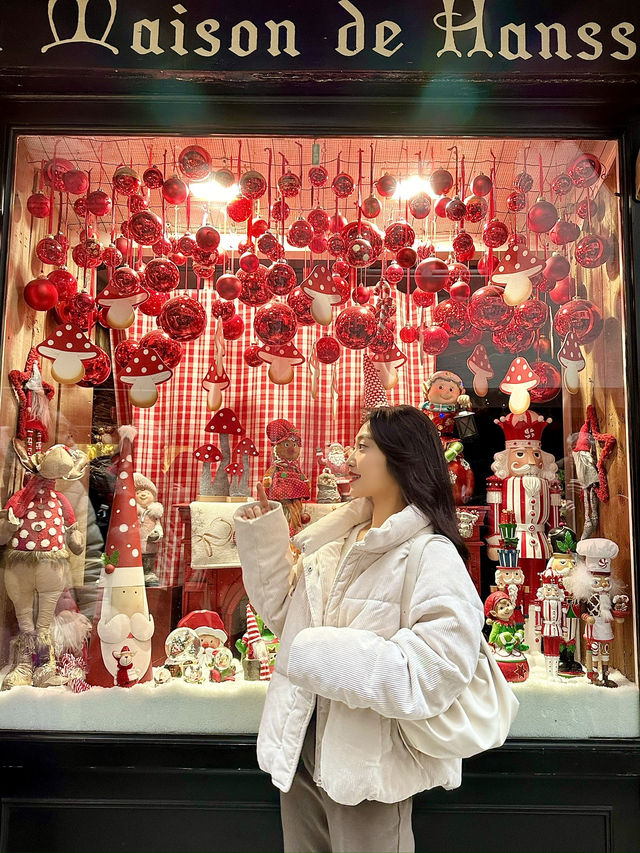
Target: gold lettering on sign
81,36
343,33
476,23
290,38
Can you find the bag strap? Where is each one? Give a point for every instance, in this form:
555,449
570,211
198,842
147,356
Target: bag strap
416,549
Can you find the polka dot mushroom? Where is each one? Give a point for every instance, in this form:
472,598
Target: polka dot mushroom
387,364
572,360
515,271
244,449
69,349
281,358
320,287
479,364
214,383
517,383
209,454
144,372
120,313
224,423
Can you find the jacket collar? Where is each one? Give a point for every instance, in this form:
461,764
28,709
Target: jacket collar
336,526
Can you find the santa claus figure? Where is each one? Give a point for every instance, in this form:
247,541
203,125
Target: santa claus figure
525,487
213,656
335,462
550,619
122,618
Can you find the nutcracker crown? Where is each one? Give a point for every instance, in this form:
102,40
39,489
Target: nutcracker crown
523,430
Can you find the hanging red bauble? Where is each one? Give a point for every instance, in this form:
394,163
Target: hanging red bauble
541,216
112,256
162,274
406,257
122,245
137,203
355,229
481,185
249,262
64,282
423,299
124,229
80,207
476,208
289,184
408,334
523,182
228,286
64,240
98,203
452,316
549,382
54,171
562,291
207,259
251,355
207,238
532,314
183,318
495,234
337,222
513,339
355,327
153,178
336,245
126,180
40,294
564,232
275,323
239,209
361,294
556,268
318,219
463,246
75,181
145,228
125,280
224,178
455,209
318,176
123,353
174,190
562,184
318,244
300,233
434,340
420,205
541,284
233,328
97,370
473,337
382,341
344,288
254,287
591,251
485,268
431,274
280,210
394,272
386,185
194,162
301,304
580,316
488,310
153,305
82,303
397,235
516,201
222,310
281,278
163,246
585,170
458,272
253,185
359,253
440,206
266,243
441,181
460,291
371,207
169,349
342,185
327,349
39,205
87,254
258,227
587,208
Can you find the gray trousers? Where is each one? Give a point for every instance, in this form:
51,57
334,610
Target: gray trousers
314,823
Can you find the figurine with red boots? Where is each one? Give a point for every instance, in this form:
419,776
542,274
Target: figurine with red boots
563,561
550,619
283,479
525,484
506,638
446,396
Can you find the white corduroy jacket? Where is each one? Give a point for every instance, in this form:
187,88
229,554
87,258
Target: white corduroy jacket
342,642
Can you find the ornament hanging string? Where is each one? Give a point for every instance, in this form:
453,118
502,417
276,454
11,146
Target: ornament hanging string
86,226
406,177
299,144
282,202
60,206
454,148
337,173
491,210
270,162
359,189
371,170
164,202
239,163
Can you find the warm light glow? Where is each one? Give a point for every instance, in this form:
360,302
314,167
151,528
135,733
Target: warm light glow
410,186
212,191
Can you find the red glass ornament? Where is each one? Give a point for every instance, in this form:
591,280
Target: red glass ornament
275,323
194,162
228,286
397,235
122,245
174,190
371,207
564,232
532,314
124,228
80,207
318,244
562,291
481,185
249,262
342,185
233,328
423,299
513,339
455,209
394,273
251,355
434,340
64,282
75,181
556,268
137,203
318,219
591,251
516,201
289,184
125,280
224,178
266,243
97,370
253,185
145,228
153,178
301,304
440,206
495,234
178,258
49,251
361,295
488,310
485,268
98,203
343,287
354,229
239,209
111,256
153,305
408,334
300,233
562,184
581,316
162,274
523,182
420,205
386,185
254,287
54,171
336,245
222,310
458,272
281,278
123,353
209,259
476,208
359,253
355,327
169,350
541,216
318,176
460,291
383,341
328,349
87,254
337,223
585,170
473,337
549,382
431,274
406,257
39,205
587,208
452,316
516,240
40,294
183,318
258,227
441,181
126,180
280,210
463,246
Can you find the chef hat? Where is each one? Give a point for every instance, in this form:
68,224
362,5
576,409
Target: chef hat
598,554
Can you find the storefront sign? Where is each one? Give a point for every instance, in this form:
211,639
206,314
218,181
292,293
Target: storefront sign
435,36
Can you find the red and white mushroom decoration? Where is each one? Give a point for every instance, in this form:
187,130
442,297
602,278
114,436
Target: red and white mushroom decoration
207,453
234,469
387,364
281,359
144,371
572,360
320,287
244,448
479,364
224,423
214,383
514,271
120,313
517,383
69,349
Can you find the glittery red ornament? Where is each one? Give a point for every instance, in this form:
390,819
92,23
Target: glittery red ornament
397,235
495,234
587,208
266,243
224,178
239,209
434,340
233,328
431,274
281,278
125,280
153,305
580,316
344,288
359,253
562,184
194,162
251,355
355,327
516,201
40,294
254,286
423,299
336,245
289,184
420,205
440,206
112,256
585,170
452,316
75,181
473,337
382,341
455,209
361,295
137,203
249,262
327,349
591,251
174,190
318,219
481,185
222,310
394,272
513,339
564,232
162,274
371,207
408,334
458,272
54,171
488,310
318,244
523,182
386,185
145,228
39,205
460,291
301,304
80,207
342,185
183,318
337,223
126,180
541,216
253,185
64,282
406,257
228,286
485,268
275,323
532,314
178,258
97,370
300,233
441,181
87,254
169,350
280,210
318,176
549,382
98,203
123,353
258,227
476,208
124,228
463,246
556,268
153,178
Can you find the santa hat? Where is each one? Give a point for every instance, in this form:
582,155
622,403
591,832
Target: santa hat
142,482
252,635
204,623
281,430
374,394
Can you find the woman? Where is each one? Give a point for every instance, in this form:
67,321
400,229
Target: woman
346,671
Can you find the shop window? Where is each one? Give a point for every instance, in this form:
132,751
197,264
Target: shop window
167,300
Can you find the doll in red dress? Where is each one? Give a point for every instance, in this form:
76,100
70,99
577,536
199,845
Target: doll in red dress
283,479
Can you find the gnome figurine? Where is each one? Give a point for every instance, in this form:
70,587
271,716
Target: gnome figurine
123,624
150,514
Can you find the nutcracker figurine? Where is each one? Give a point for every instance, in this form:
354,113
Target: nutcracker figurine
605,603
445,395
509,576
563,561
283,479
551,619
506,638
524,484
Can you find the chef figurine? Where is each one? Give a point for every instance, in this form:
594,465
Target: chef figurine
563,561
551,619
592,583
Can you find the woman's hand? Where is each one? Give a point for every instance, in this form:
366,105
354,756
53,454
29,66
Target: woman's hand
256,510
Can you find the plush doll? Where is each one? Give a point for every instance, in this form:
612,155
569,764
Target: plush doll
506,639
70,631
39,527
150,514
283,479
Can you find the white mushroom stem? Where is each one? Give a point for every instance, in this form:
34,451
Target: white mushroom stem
120,314
67,368
221,480
206,485
570,378
240,485
481,381
387,373
320,308
214,397
143,392
519,399
517,288
281,371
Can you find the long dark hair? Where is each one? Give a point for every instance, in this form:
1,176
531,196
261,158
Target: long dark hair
415,459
